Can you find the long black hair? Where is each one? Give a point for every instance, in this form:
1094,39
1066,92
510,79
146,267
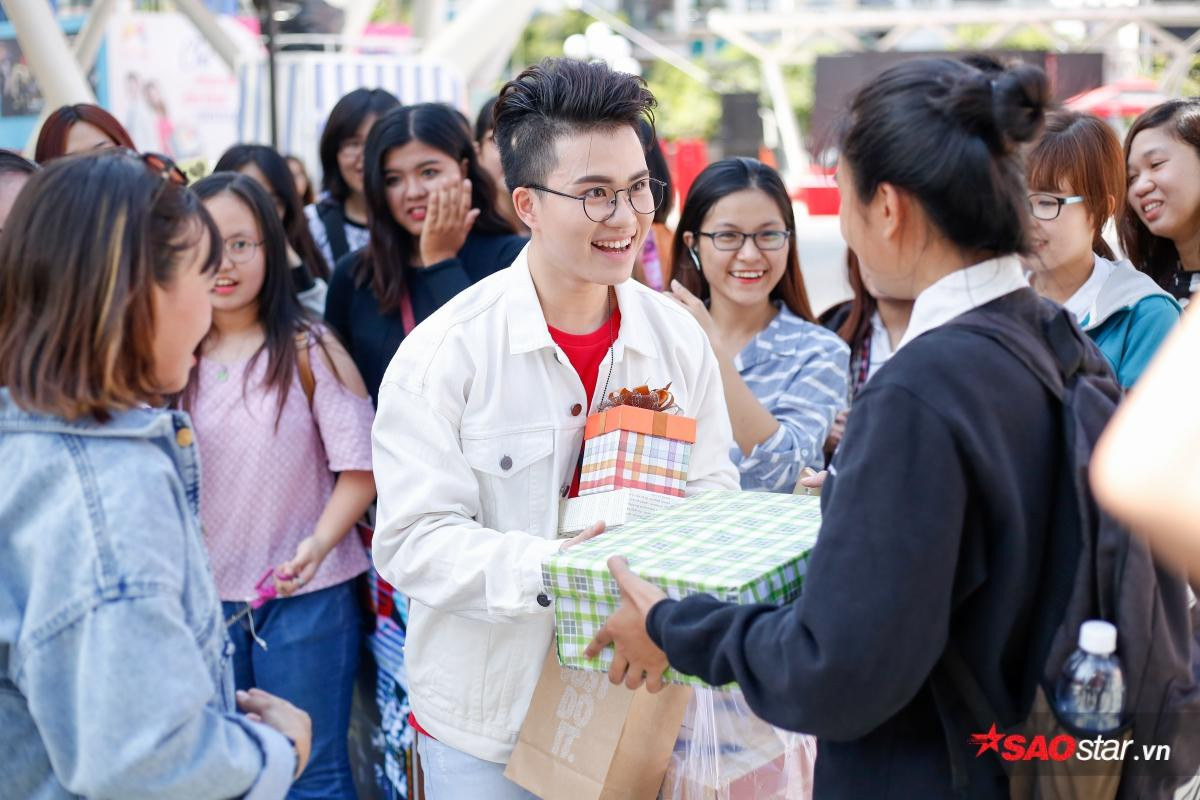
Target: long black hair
343,122
279,310
392,247
717,181
275,169
948,133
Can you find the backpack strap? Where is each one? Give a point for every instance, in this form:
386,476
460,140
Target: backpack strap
334,219
304,366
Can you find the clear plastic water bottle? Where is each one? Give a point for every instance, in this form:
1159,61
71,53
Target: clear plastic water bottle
1091,691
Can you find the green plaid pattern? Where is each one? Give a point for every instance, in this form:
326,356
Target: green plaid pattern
740,547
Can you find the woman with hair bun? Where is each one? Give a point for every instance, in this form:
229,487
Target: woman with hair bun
939,507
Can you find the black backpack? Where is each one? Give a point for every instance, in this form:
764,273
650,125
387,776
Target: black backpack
1103,574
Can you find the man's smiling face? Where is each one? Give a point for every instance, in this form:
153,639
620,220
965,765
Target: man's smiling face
593,252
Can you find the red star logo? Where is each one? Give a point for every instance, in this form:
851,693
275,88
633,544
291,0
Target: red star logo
987,741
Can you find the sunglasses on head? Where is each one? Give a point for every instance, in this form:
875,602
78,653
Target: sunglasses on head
164,167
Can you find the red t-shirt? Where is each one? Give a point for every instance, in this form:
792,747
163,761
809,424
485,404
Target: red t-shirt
586,352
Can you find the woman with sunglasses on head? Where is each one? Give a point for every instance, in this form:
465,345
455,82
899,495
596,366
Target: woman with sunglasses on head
338,220
1160,222
1076,179
737,271
435,230
310,273
113,652
284,427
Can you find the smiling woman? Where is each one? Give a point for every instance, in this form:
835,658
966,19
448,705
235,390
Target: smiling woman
737,271
1160,225
1077,178
283,424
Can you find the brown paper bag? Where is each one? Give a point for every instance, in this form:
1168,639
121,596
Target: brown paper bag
585,739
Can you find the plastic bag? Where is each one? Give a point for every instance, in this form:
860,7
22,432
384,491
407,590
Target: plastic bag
725,752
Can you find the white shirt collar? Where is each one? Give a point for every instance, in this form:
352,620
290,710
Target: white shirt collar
1083,302
881,345
961,291
527,329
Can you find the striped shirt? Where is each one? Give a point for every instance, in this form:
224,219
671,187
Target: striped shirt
797,370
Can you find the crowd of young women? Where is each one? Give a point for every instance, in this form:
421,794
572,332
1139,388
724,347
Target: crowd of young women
269,316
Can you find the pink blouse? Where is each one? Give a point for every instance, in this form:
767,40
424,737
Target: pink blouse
263,487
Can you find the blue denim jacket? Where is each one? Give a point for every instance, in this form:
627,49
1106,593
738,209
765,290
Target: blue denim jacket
115,676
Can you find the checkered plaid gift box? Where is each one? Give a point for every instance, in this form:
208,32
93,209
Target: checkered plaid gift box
741,547
634,448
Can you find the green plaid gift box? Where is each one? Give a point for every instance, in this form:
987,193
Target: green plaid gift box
740,547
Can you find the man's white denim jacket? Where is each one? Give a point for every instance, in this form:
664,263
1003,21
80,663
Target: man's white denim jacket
479,428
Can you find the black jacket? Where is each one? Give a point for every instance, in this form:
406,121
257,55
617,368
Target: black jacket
371,336
937,513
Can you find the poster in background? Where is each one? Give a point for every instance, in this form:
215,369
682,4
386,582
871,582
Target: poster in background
169,88
21,101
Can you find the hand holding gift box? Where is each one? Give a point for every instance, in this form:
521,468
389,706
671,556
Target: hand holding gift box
742,547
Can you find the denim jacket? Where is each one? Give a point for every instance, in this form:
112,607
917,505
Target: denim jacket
115,677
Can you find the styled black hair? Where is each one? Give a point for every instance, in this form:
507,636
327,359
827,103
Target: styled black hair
485,121
391,247
719,180
656,162
15,164
275,169
279,310
343,122
557,97
947,133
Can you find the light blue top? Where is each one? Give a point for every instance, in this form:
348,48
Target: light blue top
798,371
115,675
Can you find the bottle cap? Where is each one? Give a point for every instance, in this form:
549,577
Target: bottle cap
1098,637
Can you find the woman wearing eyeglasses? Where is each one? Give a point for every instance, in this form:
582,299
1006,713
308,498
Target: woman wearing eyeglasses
338,220
435,230
1076,176
284,428
737,271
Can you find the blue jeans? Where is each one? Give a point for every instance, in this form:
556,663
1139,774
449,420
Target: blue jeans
310,661
453,775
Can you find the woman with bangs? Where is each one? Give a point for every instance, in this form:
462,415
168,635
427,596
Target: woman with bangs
284,426
737,271
1076,181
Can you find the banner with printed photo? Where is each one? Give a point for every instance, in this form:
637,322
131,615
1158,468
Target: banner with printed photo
170,89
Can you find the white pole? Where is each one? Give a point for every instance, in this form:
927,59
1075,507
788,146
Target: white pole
53,65
206,22
794,155
91,35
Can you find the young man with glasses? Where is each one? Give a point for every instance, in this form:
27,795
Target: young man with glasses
481,414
